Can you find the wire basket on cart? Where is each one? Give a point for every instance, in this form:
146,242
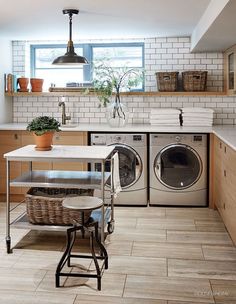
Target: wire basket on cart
44,206
194,80
167,81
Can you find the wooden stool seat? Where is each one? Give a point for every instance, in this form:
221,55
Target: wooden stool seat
83,204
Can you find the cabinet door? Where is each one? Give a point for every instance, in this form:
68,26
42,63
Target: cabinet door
70,138
9,141
28,139
224,185
230,190
230,70
218,175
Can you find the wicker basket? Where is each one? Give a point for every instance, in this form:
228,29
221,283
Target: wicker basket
194,80
167,81
44,206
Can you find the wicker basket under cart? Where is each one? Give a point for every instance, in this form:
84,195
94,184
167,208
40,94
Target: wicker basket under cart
167,81
44,206
194,80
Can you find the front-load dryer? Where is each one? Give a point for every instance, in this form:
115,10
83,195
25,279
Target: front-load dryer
132,151
178,169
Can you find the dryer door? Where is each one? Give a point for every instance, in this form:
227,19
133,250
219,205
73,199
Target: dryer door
130,165
178,166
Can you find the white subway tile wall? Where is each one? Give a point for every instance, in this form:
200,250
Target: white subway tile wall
161,54
86,109
173,54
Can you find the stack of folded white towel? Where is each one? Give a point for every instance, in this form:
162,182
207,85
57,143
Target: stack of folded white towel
168,117
197,116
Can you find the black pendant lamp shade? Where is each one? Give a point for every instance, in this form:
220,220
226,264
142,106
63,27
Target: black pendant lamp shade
70,57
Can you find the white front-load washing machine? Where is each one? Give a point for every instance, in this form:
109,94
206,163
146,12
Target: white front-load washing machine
132,151
178,169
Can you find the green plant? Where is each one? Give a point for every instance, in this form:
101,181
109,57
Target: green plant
43,124
108,80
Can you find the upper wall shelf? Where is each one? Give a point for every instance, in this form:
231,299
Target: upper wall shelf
19,94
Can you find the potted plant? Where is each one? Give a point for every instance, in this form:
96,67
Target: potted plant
110,81
43,129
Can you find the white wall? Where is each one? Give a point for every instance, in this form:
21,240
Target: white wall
212,12
5,67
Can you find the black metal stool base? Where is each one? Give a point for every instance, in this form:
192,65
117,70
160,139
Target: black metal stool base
92,228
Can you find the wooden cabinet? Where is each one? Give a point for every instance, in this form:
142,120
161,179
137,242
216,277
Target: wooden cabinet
224,176
11,140
230,70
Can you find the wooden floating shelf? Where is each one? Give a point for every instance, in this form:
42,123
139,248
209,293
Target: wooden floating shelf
76,93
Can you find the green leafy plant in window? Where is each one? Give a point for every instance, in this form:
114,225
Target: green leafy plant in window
109,80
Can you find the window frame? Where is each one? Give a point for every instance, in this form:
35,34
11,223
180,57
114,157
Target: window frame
87,52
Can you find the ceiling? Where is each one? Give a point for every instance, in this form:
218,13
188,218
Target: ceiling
43,20
111,19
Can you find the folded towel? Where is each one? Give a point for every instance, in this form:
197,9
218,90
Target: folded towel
156,122
192,115
165,111
161,116
115,175
200,124
197,119
197,110
165,120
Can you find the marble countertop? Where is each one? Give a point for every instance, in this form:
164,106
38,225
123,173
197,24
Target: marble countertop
227,133
128,128
65,153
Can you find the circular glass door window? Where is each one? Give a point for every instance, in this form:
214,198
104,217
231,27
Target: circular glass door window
130,165
178,166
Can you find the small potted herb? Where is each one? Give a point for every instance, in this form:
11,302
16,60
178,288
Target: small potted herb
43,129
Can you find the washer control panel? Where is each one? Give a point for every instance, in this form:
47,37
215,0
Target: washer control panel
133,140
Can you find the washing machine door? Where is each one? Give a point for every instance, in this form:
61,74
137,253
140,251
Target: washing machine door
130,165
178,166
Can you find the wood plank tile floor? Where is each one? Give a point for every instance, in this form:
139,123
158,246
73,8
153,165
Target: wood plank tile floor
157,255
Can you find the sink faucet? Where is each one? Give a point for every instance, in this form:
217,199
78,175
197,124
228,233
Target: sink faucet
64,116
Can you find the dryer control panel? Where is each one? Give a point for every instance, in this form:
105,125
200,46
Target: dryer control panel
187,139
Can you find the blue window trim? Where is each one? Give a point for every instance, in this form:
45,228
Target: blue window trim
87,52
34,47
123,44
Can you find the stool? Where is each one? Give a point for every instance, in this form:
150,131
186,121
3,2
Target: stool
82,204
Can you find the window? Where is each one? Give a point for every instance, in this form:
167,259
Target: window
130,55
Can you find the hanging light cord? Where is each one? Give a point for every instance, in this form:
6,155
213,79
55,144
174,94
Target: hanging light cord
70,44
70,26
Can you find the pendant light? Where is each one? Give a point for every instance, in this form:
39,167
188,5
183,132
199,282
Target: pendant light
70,57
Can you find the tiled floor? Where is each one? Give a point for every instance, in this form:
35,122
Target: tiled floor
156,256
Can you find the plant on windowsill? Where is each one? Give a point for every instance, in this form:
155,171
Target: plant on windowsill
110,81
43,129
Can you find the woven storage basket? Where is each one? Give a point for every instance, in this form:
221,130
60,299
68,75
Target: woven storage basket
167,81
44,206
194,80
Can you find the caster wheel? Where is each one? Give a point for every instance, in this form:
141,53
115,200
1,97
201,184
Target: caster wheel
111,227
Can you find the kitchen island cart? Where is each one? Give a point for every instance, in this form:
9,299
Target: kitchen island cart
60,179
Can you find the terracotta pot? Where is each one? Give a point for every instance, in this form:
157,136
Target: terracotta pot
43,142
36,84
23,83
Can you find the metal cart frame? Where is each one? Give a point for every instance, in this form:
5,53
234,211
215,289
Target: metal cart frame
60,179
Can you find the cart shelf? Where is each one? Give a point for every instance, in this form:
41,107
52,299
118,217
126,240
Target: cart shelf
22,222
61,179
